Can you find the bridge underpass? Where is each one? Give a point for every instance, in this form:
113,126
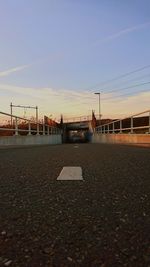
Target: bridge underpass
100,221
77,132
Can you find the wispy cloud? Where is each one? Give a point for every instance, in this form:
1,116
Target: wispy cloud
12,70
22,67
122,32
71,103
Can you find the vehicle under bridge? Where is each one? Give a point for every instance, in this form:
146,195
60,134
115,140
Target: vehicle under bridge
77,132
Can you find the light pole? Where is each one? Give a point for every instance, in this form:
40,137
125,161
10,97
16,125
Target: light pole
99,107
11,112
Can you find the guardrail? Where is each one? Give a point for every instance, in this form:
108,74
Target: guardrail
39,128
117,126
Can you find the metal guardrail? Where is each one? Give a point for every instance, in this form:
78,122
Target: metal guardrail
111,126
46,129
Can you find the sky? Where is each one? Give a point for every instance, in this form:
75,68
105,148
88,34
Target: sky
56,53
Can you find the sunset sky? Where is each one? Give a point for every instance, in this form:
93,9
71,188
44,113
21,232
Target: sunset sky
57,53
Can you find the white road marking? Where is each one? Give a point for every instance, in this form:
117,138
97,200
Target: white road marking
76,146
70,173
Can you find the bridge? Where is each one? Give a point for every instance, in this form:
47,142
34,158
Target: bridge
100,217
25,131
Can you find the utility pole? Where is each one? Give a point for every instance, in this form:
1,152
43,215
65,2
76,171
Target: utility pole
11,112
36,114
99,105
20,106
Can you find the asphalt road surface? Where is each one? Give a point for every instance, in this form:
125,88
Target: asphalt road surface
102,221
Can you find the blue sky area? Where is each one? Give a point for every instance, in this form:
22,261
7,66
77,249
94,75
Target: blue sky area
53,48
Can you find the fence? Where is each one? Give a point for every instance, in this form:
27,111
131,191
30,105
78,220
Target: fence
24,126
127,125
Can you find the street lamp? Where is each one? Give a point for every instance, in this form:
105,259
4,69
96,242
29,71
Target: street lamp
99,107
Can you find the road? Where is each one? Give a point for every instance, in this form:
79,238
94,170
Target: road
102,221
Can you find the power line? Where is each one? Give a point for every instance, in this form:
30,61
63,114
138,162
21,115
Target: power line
135,79
120,76
125,88
127,94
107,98
120,89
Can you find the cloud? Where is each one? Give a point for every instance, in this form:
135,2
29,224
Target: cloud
19,68
71,103
12,70
122,32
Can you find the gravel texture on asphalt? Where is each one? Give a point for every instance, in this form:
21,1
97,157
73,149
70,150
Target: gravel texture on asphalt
103,221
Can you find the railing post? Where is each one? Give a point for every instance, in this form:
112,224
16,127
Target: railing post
51,130
43,129
104,129
37,129
48,130
149,123
113,127
108,129
16,126
132,124
29,128
120,126
101,130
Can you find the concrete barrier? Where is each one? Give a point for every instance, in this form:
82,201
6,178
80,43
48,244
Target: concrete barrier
121,138
30,140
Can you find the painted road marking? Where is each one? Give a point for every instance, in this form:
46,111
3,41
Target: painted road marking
70,173
76,146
